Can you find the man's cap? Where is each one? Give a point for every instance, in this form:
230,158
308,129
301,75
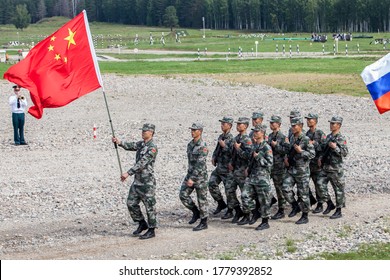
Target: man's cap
276,119
227,120
16,86
256,115
148,126
243,120
260,127
295,113
312,116
296,120
196,125
336,119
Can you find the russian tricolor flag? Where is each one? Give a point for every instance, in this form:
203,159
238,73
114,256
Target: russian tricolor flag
377,79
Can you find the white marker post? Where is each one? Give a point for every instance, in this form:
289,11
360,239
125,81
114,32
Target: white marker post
256,44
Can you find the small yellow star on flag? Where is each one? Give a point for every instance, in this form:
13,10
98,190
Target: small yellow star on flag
65,59
70,38
51,48
57,57
53,38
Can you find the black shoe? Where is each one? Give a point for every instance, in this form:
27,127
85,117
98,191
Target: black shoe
228,214
195,215
238,214
245,220
303,220
264,224
313,200
221,205
202,225
336,214
24,143
329,208
141,227
256,215
273,200
278,215
149,234
295,209
319,208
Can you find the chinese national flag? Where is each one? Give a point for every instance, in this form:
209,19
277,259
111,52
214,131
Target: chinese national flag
59,69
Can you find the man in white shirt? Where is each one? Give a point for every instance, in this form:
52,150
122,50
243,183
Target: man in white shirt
18,105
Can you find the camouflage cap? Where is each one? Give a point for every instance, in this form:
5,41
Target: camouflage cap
243,120
148,126
276,119
336,119
296,120
295,113
260,127
227,120
312,116
256,115
196,126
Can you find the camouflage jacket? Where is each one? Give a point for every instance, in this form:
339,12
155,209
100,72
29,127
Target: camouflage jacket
318,136
143,170
290,132
332,160
302,160
278,151
222,156
240,158
197,156
260,165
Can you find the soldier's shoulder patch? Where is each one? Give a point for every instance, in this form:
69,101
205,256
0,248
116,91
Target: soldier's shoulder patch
205,150
249,142
345,142
270,151
154,150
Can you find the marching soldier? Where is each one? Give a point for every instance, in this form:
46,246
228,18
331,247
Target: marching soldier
242,148
299,153
257,118
221,158
331,159
144,185
196,178
257,184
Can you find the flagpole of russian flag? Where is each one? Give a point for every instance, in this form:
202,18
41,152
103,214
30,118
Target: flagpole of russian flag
376,76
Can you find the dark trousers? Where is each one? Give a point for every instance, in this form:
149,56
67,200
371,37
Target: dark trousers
18,124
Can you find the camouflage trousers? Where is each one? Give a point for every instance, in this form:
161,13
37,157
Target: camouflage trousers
215,180
146,194
260,191
278,178
231,190
201,194
301,179
337,181
314,175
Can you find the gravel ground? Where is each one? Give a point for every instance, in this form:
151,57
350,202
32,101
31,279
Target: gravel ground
61,197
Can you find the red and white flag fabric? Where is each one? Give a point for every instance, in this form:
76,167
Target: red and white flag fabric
60,69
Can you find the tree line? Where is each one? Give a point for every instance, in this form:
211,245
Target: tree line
255,15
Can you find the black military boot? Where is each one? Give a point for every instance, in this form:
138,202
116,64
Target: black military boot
143,225
255,216
313,200
330,207
319,208
195,215
238,214
303,220
295,209
278,215
202,225
264,224
221,205
245,220
336,214
149,234
228,214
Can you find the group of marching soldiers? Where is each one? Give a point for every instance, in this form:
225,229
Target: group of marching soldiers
248,163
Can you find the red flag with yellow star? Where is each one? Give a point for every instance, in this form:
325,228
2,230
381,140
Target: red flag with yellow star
59,69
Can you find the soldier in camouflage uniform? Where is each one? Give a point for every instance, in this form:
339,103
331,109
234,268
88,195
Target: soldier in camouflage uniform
144,185
331,160
221,158
276,140
241,153
299,152
317,138
258,184
196,178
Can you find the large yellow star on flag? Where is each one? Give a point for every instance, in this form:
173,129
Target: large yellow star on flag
70,38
